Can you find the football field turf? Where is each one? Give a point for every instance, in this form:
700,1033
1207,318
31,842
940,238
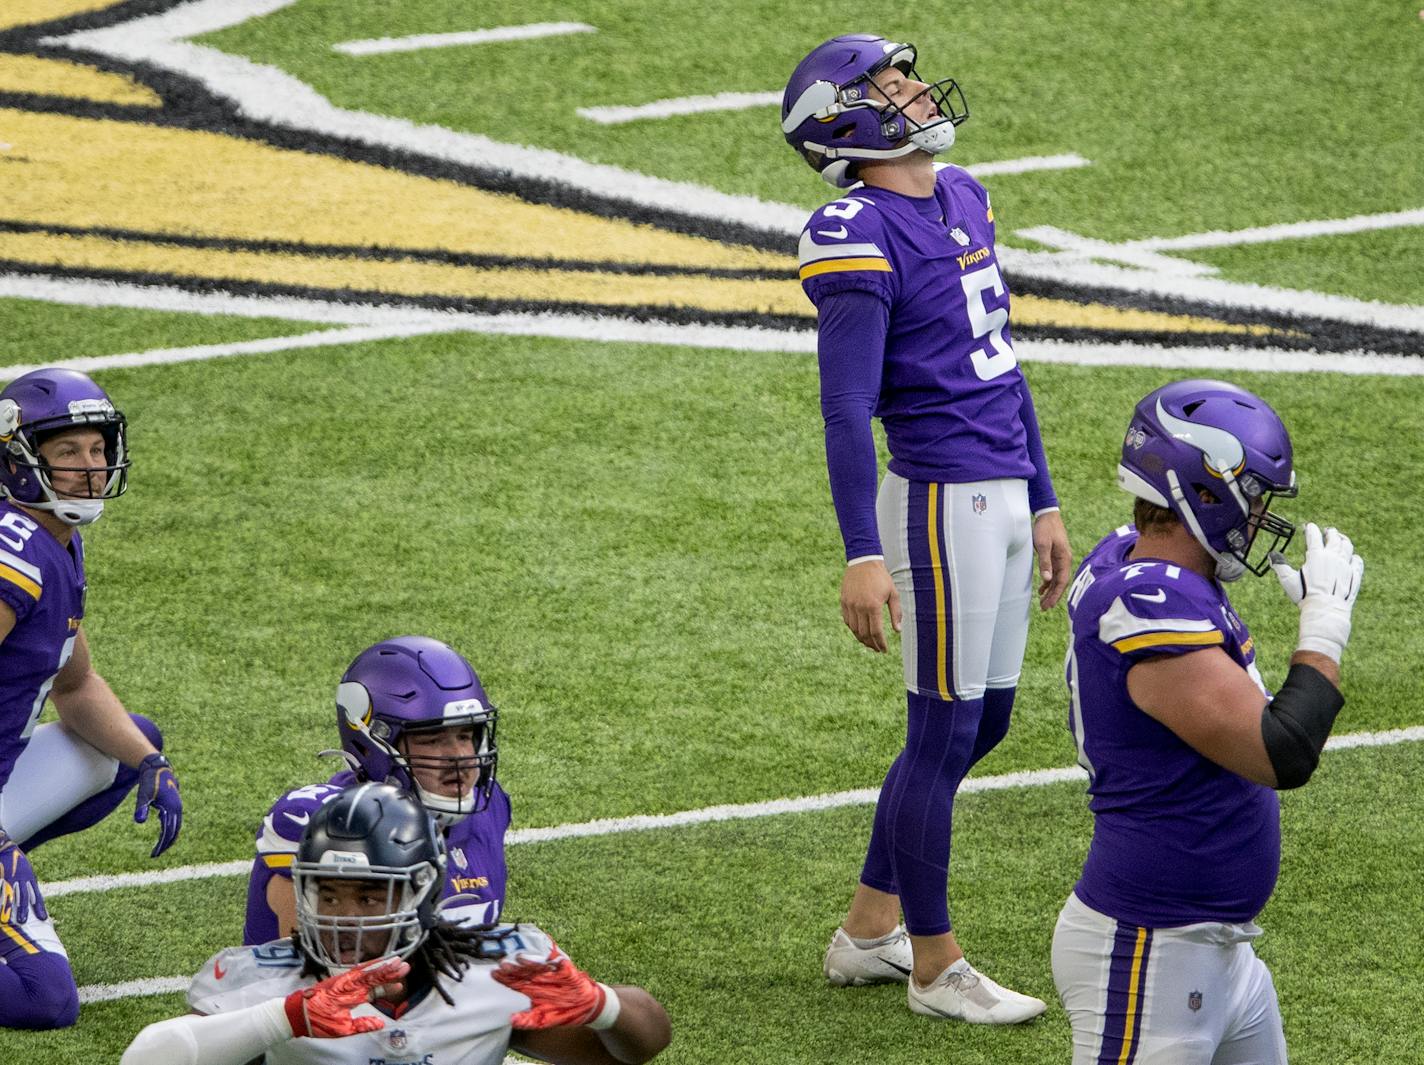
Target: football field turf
634,541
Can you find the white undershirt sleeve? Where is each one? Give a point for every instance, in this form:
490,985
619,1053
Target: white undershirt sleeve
220,1039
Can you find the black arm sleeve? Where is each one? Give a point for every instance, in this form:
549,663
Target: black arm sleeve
1297,722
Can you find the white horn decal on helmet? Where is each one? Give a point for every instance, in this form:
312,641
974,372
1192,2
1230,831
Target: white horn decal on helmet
1223,451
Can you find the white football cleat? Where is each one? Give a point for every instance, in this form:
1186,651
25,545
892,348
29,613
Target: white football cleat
847,965
963,993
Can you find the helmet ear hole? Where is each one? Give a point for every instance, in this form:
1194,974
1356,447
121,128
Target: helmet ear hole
840,133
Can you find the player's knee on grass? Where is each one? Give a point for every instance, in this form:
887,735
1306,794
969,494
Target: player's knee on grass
37,991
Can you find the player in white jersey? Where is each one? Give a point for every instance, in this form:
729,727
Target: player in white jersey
375,976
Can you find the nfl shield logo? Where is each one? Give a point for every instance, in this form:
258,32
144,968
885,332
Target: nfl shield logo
1194,1001
960,237
459,856
397,1039
980,503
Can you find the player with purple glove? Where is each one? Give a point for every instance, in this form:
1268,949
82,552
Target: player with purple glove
63,453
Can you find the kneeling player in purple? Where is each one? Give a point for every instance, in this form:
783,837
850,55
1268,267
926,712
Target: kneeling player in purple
1183,744
410,711
913,327
376,974
63,452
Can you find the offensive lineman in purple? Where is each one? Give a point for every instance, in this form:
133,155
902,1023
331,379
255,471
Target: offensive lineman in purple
913,327
63,453
412,712
1148,863
1183,744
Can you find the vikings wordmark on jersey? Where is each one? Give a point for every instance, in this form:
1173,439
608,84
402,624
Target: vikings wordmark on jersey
142,164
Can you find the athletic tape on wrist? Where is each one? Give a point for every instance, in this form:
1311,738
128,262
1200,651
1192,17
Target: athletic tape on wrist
608,1016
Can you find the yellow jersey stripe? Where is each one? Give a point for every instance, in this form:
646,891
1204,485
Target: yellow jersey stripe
19,937
833,266
1164,639
941,614
20,581
1134,983
278,861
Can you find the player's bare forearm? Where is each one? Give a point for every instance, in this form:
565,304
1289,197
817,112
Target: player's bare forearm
1324,664
640,1034
89,708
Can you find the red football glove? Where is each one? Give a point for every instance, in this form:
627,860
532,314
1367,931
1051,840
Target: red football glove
323,1011
561,993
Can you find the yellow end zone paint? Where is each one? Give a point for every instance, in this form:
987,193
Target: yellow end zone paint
15,13
130,175
55,77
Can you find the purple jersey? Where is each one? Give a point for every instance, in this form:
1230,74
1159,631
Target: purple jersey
42,581
1177,839
474,874
950,387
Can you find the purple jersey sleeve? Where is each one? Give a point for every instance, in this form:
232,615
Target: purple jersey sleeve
851,349
842,249
277,842
1158,613
1040,486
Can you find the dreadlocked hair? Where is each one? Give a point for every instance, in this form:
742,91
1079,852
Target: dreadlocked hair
446,951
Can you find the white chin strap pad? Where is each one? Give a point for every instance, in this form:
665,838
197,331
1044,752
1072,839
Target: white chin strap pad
934,139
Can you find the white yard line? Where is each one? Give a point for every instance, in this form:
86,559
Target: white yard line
1028,164
1029,778
493,35
158,985
614,115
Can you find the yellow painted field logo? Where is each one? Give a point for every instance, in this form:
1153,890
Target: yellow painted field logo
111,171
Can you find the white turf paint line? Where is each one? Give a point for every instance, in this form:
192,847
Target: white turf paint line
268,94
494,35
1029,164
1029,778
614,115
745,338
1145,252
611,826
358,334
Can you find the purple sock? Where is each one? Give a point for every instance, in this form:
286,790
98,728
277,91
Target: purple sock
97,807
879,869
920,807
994,726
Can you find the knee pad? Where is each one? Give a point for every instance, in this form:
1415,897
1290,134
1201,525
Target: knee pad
42,994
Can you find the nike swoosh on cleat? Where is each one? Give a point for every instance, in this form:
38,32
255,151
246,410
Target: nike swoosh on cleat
897,968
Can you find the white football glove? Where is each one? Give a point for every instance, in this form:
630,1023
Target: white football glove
1324,588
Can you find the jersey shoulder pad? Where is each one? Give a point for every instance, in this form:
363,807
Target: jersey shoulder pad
284,824
243,976
21,575
1153,608
846,234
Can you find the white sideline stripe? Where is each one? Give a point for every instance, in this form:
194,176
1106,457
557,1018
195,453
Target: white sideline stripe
162,356
1028,164
158,985
267,94
613,115
395,322
494,34
610,826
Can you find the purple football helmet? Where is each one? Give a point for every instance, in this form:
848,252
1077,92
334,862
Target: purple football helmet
394,706
833,116
1215,455
40,405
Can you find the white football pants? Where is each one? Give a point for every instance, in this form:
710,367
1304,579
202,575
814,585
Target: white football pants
1194,995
